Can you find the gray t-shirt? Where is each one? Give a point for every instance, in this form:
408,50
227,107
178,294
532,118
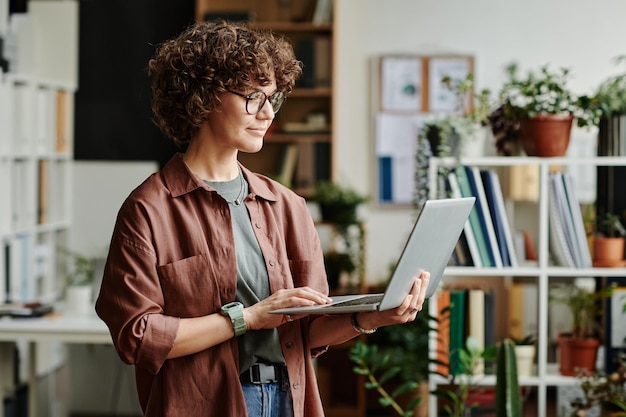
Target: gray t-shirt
252,279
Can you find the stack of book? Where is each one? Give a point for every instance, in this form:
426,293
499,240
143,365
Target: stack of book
487,239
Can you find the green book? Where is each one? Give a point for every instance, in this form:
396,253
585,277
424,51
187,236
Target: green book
474,219
457,329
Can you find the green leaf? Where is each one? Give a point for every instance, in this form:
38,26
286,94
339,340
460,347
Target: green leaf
404,388
389,374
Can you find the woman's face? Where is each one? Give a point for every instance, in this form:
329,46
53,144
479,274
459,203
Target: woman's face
232,126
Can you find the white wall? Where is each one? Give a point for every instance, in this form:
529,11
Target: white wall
581,35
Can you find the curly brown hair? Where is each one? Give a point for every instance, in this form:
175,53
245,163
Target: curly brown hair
190,72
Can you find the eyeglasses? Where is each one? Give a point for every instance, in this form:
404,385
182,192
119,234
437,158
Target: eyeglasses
256,100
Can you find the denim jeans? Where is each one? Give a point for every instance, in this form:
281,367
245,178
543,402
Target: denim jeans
268,400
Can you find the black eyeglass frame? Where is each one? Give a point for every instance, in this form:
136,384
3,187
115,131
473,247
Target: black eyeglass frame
271,98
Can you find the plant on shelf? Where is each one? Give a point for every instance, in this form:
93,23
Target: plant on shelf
605,391
79,279
525,353
610,97
578,349
82,272
608,244
337,263
338,204
456,134
461,389
537,103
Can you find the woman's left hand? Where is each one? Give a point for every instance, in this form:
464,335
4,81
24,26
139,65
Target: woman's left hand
405,312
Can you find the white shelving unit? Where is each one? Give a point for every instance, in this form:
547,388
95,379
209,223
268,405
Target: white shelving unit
547,373
36,156
35,168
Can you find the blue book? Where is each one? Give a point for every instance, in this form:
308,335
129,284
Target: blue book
474,219
476,183
495,212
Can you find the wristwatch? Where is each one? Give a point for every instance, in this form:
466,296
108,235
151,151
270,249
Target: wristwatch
234,311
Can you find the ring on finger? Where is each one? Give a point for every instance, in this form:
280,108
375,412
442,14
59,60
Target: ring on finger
414,311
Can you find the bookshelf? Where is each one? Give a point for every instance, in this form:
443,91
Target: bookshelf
305,121
36,142
542,272
36,155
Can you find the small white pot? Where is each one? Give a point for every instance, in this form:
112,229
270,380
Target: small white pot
525,356
78,299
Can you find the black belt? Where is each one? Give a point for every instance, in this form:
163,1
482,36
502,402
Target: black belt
261,373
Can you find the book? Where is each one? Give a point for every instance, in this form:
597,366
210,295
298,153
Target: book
565,218
490,325
457,329
523,183
25,310
305,52
559,247
443,332
530,312
322,161
476,183
323,12
515,310
288,164
577,221
42,202
615,317
322,70
305,166
476,322
474,220
468,234
499,217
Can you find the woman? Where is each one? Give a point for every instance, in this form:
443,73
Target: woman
204,249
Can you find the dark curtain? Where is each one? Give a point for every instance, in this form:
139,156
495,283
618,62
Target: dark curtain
112,111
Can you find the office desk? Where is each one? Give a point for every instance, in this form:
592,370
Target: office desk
57,327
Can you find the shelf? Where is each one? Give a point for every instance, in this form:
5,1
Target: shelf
295,27
534,215
533,271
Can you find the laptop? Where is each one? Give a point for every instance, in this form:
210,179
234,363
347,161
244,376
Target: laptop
429,247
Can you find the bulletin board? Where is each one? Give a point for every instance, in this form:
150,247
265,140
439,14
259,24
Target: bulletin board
409,91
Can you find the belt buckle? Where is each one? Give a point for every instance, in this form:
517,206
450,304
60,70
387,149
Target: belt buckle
266,373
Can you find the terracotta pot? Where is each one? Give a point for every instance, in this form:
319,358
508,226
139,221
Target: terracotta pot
608,251
577,354
546,134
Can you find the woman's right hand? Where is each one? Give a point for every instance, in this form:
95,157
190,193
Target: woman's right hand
258,316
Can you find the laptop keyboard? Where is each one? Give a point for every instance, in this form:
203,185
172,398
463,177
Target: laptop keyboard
368,299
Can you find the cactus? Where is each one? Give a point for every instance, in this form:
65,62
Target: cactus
508,397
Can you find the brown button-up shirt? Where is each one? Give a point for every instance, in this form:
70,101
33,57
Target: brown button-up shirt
172,256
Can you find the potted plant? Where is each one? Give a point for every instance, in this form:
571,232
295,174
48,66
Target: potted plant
525,349
337,263
541,108
608,107
578,349
460,134
608,392
608,246
79,282
338,204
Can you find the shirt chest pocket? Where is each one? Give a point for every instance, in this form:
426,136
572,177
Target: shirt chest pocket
190,286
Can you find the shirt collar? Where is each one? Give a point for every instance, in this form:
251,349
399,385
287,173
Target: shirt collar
179,179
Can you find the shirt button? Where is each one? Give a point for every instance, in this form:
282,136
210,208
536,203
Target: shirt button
288,345
296,385
272,262
258,225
